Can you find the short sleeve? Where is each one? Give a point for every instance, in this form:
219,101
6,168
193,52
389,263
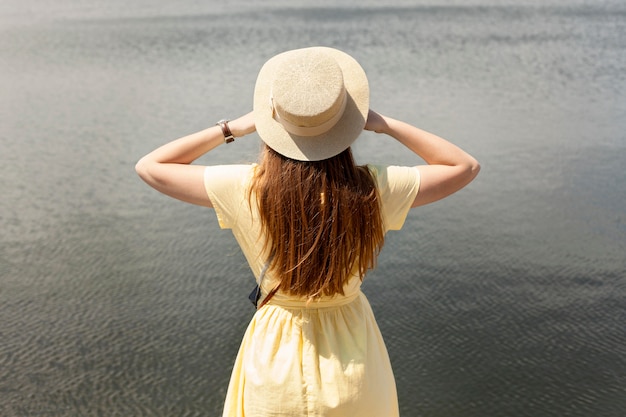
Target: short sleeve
226,186
397,186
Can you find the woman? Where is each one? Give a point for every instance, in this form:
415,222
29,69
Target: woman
310,223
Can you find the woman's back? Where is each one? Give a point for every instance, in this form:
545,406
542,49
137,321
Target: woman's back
229,189
321,221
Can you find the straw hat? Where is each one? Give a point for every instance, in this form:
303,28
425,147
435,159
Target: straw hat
311,104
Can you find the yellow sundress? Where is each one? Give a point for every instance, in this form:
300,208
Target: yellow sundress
323,359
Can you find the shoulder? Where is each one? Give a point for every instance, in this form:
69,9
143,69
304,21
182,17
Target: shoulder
226,179
221,174
226,186
394,176
231,170
397,187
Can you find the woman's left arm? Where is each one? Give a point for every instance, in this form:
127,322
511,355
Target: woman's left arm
168,168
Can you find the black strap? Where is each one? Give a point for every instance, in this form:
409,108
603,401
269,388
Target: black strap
255,295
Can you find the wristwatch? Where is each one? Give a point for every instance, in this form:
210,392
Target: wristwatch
228,135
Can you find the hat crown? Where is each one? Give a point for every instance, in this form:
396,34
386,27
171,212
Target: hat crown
312,103
308,93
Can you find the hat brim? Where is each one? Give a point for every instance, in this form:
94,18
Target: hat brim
335,140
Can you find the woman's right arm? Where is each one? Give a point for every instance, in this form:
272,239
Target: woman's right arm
169,168
449,167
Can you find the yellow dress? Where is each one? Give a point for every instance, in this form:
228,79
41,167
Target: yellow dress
323,359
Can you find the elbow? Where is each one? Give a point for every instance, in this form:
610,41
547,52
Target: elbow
474,168
151,173
141,168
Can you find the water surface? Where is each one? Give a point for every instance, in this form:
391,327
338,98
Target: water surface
507,299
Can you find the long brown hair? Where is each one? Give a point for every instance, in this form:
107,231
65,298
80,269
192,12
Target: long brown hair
322,221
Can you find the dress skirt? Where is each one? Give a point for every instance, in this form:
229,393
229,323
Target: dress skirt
326,359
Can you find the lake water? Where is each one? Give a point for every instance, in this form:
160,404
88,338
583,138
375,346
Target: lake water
507,299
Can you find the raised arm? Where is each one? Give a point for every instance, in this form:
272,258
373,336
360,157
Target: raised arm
449,167
168,168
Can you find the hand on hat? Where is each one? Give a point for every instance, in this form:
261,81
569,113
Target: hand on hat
375,122
243,125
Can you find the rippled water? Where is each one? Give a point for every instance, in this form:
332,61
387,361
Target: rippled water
507,299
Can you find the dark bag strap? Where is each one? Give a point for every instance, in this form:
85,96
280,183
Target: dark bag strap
255,295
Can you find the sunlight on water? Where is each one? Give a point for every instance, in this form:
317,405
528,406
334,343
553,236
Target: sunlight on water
504,300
